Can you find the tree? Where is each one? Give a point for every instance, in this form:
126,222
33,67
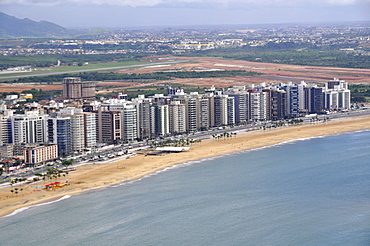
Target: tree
67,163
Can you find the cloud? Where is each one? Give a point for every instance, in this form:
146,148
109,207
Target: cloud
151,3
32,2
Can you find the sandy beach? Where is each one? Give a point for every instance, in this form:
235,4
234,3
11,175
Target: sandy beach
94,176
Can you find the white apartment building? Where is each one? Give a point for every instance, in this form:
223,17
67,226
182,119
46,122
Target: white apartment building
90,129
77,127
129,121
259,106
177,117
337,95
5,124
29,128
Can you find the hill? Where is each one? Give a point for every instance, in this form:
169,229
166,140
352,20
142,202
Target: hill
11,26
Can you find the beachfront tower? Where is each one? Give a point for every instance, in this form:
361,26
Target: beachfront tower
59,132
292,91
177,117
29,128
129,122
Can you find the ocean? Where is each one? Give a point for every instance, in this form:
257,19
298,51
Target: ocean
306,192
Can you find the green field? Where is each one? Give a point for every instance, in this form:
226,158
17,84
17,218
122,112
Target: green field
89,66
110,66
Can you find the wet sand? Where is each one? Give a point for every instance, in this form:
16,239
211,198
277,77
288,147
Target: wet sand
94,176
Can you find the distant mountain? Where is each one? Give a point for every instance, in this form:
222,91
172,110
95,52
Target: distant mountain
11,26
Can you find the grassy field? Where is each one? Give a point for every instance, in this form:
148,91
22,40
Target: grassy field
89,66
110,66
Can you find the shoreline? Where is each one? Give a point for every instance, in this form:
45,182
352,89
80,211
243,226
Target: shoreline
97,176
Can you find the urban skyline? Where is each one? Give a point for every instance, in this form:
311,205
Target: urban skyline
95,123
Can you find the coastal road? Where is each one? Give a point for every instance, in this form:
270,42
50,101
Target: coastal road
198,135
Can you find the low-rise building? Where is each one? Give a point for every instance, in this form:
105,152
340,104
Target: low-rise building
37,154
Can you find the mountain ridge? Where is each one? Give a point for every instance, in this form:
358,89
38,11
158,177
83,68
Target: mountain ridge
11,26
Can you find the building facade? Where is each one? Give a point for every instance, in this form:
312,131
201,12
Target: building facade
29,128
34,155
74,88
59,133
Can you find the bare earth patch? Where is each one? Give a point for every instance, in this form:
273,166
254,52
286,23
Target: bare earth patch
272,73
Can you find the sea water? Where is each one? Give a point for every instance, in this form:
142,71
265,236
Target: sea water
310,192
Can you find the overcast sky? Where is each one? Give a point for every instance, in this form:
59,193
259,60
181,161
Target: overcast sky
136,13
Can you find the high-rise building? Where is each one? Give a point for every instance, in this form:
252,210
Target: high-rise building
337,95
77,131
160,120
90,129
344,99
259,105
29,128
278,104
83,128
230,111
292,99
129,122
59,132
128,111
143,119
336,84
6,126
177,117
204,117
74,88
241,105
220,110
314,99
192,112
302,105
241,100
108,126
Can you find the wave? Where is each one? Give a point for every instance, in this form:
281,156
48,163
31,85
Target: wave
36,205
165,169
189,163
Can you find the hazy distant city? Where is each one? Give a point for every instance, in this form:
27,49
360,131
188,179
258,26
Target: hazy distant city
348,38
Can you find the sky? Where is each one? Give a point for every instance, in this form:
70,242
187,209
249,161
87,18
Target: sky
139,13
